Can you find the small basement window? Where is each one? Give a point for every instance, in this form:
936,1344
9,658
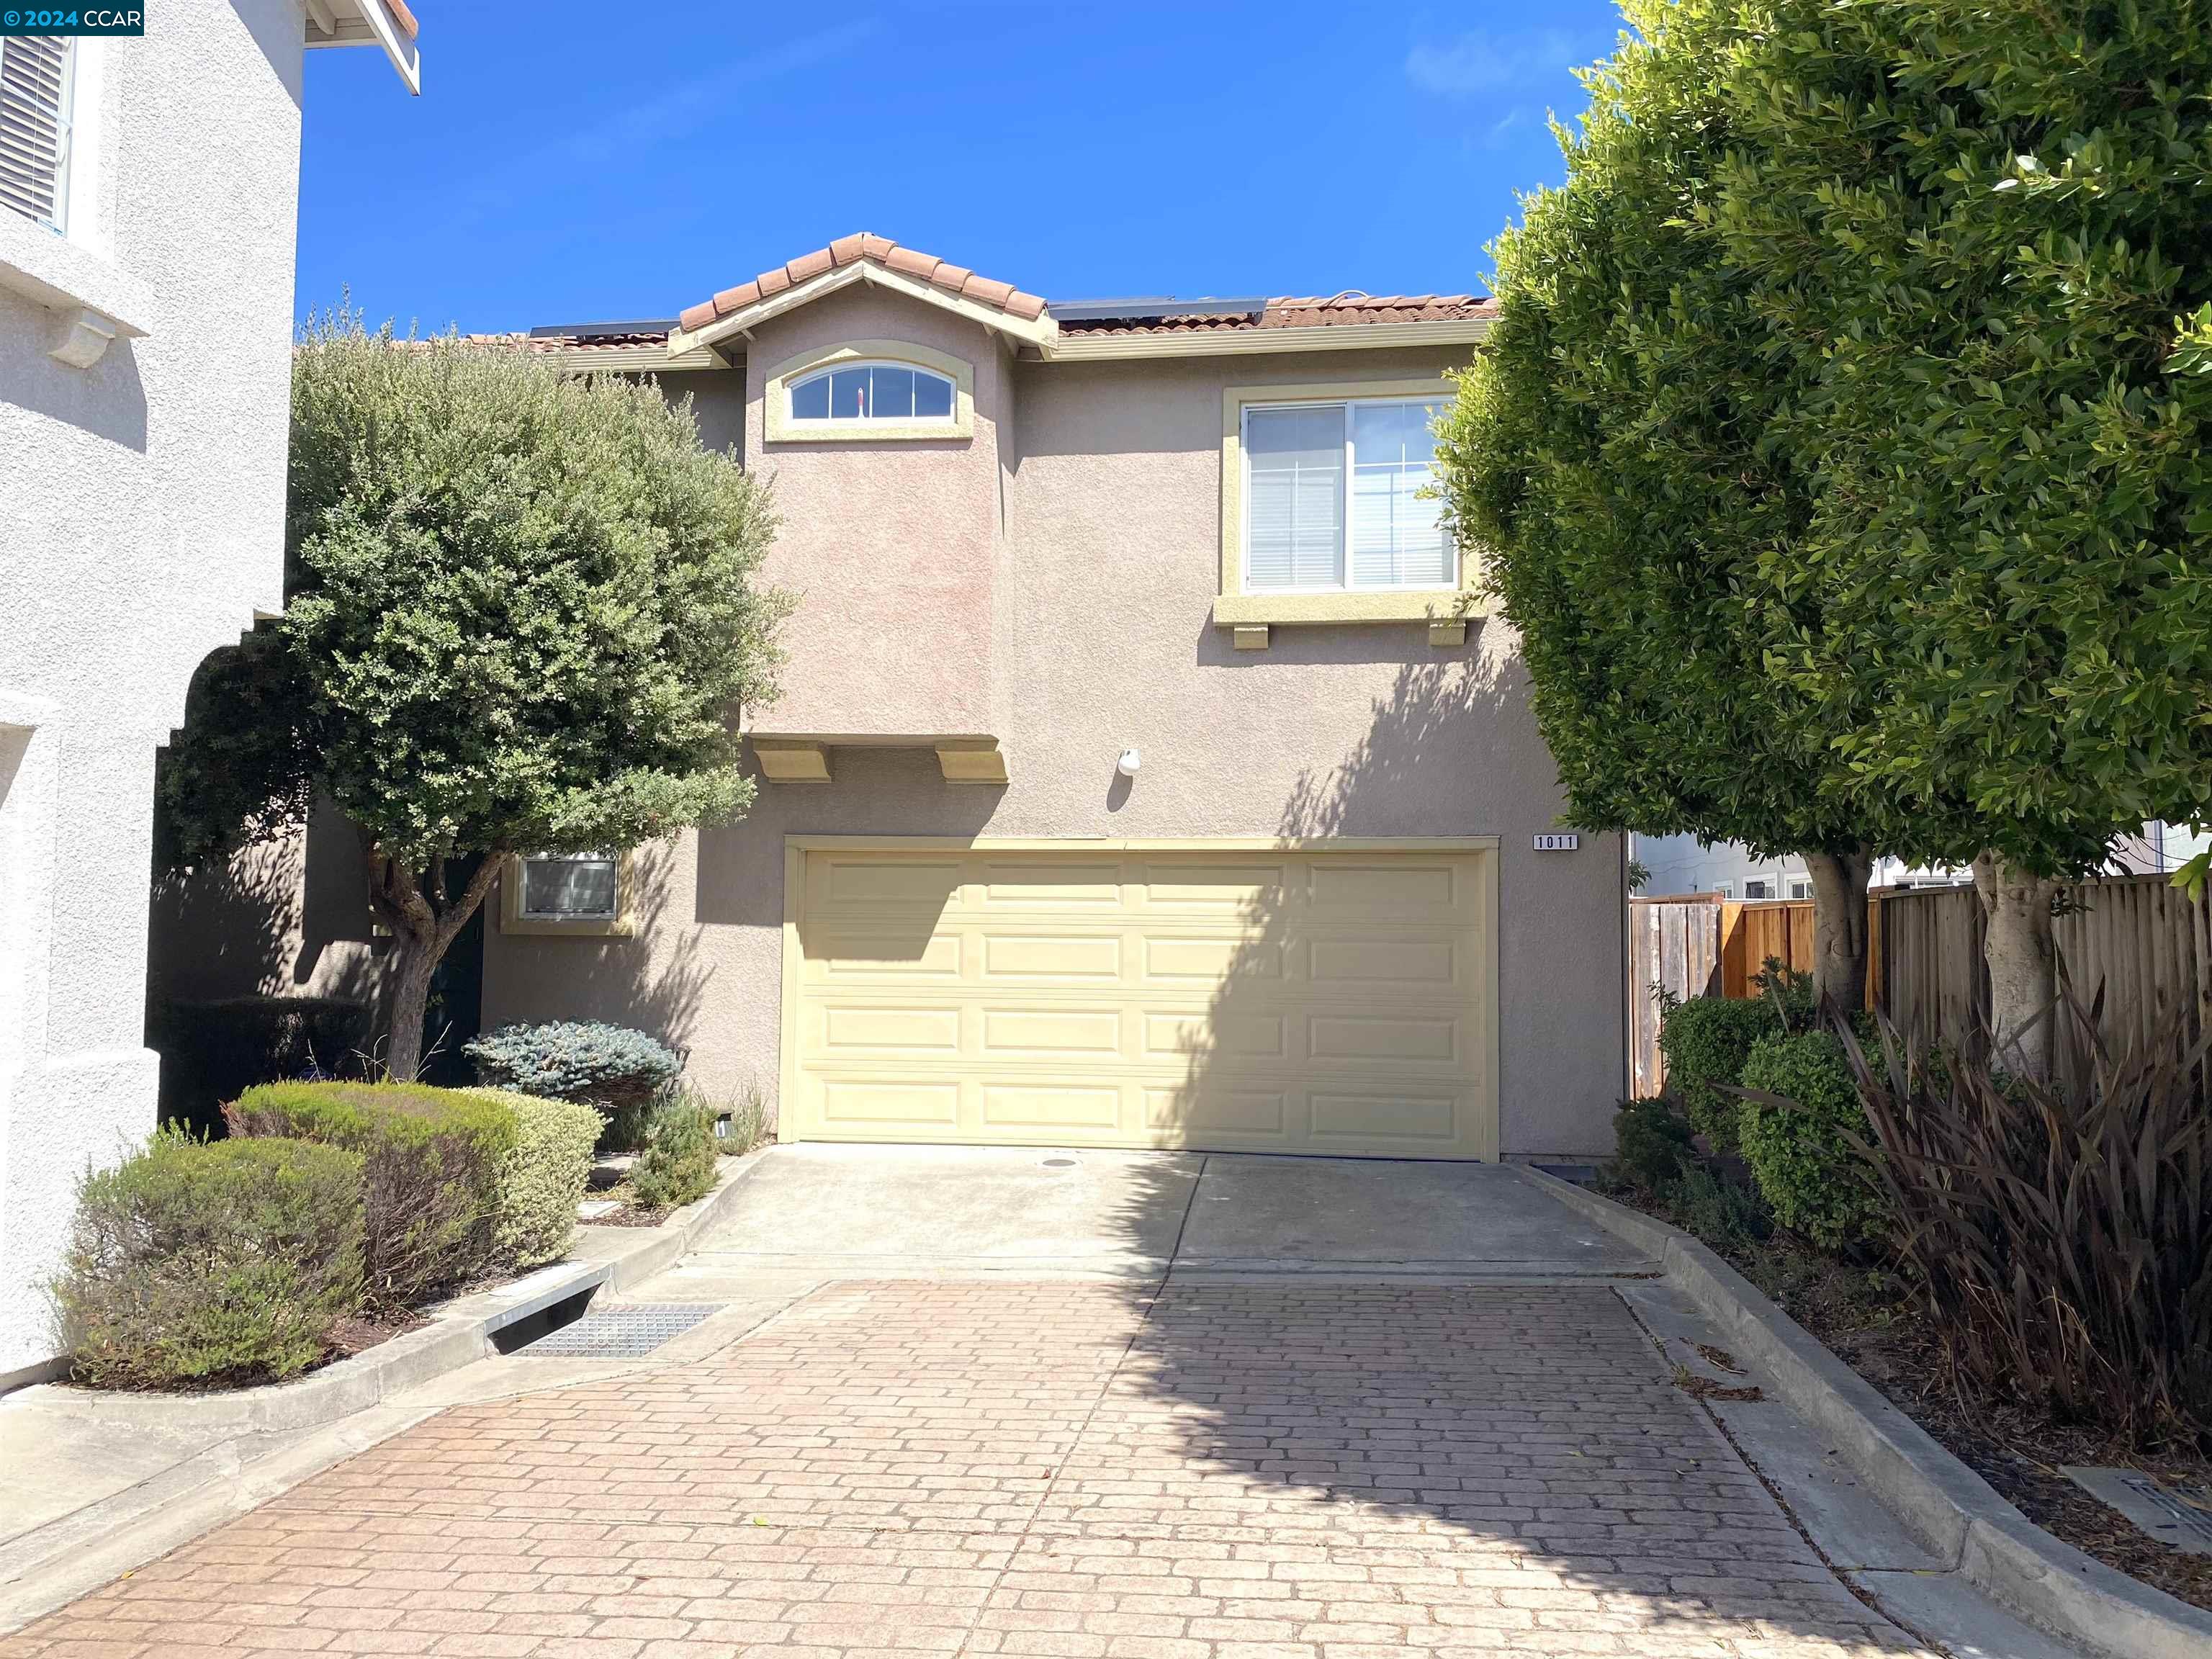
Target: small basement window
567,893
872,394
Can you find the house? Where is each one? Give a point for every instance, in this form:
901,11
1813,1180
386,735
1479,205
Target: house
145,338
1146,770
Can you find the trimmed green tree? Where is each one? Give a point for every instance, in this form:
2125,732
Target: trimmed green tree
1609,451
1978,237
523,611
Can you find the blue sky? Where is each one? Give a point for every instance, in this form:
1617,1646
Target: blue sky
609,161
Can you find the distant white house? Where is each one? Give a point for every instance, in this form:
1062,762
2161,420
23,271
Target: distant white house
1678,863
147,193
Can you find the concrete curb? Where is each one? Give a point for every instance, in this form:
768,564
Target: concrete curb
459,1333
1997,1549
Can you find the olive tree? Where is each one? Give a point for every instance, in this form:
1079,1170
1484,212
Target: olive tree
523,609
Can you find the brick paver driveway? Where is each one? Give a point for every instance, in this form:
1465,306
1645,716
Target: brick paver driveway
1239,1469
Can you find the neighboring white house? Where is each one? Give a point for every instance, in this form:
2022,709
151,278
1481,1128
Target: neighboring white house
148,191
1676,865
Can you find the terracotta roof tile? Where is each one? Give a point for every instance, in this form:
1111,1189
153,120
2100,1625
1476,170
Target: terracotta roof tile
878,250
1294,310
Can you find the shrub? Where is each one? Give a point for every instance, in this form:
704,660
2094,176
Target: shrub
198,1263
1652,1146
749,1125
1718,1208
431,1162
620,1071
214,1051
679,1162
542,1177
1706,1040
2063,1236
1804,1136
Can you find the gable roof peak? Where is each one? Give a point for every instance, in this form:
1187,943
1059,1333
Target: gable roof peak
866,247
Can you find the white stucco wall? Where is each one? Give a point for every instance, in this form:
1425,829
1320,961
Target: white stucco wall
141,527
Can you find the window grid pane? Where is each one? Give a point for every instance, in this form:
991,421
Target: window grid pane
873,392
1397,537
1296,497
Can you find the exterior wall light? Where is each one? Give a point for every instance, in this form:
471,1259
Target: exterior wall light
1130,761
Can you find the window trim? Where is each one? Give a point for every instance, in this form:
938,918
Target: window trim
777,426
512,920
1235,605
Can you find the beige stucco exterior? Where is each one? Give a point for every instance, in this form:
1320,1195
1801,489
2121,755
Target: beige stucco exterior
1051,580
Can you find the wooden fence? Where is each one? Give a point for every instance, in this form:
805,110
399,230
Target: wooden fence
2139,938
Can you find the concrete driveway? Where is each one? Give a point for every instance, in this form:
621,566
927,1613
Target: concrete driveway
1013,1211
980,1420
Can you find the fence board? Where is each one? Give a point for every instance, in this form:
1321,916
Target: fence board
2140,939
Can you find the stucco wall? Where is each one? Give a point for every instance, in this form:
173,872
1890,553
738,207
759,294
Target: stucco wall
1101,531
140,528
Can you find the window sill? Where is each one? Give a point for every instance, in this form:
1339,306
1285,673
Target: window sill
1305,610
553,927
93,301
868,432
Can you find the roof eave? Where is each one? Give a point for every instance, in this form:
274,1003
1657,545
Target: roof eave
1229,342
1040,332
648,359
369,23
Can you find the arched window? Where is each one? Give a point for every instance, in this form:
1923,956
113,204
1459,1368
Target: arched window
872,394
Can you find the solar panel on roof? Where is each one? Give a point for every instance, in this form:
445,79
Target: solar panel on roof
601,330
1152,308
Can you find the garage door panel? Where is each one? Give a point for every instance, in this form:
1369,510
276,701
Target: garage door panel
1093,1032
1373,1037
1057,957
860,1029
1313,1001
1398,1116
1207,960
1352,962
1046,1105
1360,890
878,1103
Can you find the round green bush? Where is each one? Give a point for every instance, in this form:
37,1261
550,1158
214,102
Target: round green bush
196,1264
1816,1183
620,1071
1706,1040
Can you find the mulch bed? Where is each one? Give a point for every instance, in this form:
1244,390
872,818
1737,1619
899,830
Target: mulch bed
359,1333
1867,1318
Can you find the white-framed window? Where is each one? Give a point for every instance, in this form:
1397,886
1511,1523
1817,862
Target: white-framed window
1336,498
37,76
571,887
1759,887
872,394
1800,887
1725,889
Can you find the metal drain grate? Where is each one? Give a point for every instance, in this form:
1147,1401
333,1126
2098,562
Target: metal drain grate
2178,1519
628,1332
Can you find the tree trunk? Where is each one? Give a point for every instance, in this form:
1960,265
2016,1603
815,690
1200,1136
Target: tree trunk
2022,953
424,922
1839,927
414,960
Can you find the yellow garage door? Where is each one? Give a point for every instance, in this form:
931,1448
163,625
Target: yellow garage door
1224,998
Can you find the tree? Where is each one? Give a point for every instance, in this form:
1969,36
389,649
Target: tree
1979,232
1609,450
1901,337
522,614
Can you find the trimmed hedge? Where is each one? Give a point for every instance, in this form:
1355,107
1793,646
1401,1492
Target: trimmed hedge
1815,1180
201,1264
680,1162
1706,1040
430,1171
543,1177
